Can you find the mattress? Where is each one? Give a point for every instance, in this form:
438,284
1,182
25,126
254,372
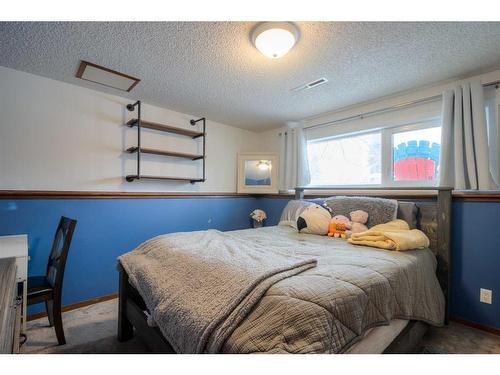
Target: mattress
377,339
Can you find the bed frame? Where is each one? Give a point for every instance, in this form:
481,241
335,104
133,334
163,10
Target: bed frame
434,219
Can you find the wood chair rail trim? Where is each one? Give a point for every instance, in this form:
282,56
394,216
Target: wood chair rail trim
56,194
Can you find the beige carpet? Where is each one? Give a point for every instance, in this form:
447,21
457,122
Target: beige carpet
92,329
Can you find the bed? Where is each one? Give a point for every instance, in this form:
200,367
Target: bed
285,292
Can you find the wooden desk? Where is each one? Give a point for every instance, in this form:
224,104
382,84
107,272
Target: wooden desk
10,307
17,247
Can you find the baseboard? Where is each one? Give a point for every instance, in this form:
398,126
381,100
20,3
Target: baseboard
482,327
75,306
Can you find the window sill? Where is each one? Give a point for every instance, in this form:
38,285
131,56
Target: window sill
458,195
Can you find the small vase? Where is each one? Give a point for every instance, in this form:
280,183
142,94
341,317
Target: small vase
258,224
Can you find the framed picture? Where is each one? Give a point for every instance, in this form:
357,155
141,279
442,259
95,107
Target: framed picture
258,173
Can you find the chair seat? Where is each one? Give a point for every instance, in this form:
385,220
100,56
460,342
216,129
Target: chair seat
38,287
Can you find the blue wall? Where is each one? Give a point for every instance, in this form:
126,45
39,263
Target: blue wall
107,228
475,257
476,261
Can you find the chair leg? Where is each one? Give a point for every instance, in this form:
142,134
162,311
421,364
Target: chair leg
58,324
49,307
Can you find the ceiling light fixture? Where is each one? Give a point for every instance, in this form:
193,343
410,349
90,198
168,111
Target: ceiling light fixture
263,165
275,39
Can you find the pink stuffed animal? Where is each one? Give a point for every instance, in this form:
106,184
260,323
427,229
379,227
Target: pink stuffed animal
355,225
358,221
342,219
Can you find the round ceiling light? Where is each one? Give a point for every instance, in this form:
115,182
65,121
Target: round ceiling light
275,39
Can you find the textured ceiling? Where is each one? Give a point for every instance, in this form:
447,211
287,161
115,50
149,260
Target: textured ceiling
212,69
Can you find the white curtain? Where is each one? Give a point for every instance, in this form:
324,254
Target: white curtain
464,139
492,102
294,166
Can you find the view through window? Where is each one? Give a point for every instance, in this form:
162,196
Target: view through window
388,157
353,160
416,154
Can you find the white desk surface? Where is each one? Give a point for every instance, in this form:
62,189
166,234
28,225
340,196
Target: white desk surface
14,246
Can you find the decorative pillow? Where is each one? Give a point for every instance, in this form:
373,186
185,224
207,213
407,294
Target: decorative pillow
408,211
294,208
315,219
379,210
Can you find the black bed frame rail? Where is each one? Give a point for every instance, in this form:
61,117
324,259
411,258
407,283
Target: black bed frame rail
443,248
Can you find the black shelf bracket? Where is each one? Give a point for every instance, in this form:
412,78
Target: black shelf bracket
193,123
131,108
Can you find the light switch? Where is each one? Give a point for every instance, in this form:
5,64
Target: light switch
485,295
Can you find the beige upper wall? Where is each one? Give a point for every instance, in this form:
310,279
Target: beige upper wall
58,136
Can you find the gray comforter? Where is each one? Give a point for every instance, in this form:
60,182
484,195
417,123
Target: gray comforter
259,290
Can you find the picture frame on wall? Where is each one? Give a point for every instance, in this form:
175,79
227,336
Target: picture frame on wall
258,173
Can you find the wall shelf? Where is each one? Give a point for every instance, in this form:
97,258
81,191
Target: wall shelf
166,128
133,177
165,153
139,150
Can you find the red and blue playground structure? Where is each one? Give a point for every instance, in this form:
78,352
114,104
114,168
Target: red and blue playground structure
416,161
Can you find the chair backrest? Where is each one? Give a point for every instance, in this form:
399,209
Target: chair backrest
59,252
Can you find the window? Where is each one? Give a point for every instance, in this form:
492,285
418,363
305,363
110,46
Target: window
398,156
416,154
350,160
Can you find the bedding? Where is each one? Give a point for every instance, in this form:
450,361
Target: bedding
394,235
379,210
199,285
323,309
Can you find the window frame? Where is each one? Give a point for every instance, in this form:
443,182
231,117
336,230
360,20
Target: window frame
387,153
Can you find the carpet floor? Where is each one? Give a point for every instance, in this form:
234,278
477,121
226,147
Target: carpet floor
92,330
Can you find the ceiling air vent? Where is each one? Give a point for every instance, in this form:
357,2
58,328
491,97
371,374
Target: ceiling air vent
310,85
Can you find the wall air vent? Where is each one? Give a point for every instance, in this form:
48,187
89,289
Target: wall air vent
310,85
106,77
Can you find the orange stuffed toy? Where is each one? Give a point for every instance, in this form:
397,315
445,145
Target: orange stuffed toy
338,226
337,230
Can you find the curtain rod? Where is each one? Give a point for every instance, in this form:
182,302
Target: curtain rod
388,109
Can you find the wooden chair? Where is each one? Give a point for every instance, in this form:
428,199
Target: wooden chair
48,288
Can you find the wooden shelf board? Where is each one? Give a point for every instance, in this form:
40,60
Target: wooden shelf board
165,153
166,128
131,178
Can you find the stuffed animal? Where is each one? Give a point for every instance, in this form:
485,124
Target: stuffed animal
338,226
358,221
314,220
341,227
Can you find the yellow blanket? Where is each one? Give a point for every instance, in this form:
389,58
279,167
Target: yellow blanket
394,235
